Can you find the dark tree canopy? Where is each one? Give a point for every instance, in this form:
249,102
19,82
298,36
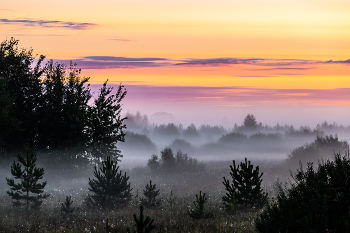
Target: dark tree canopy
47,107
318,201
245,188
250,122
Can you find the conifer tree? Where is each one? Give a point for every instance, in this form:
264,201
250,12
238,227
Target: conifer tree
151,194
110,189
246,186
28,192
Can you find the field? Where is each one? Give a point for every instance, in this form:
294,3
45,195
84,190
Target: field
177,192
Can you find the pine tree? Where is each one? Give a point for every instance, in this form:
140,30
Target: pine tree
198,211
28,192
110,189
151,194
246,188
105,126
66,207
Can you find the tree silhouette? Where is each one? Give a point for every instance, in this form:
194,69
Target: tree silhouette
28,192
105,125
151,195
47,107
250,122
110,189
246,186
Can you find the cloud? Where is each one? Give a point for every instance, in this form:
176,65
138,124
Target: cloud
340,61
237,95
122,40
228,61
31,35
7,10
111,62
49,24
124,59
218,61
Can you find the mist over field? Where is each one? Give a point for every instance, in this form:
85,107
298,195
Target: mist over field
207,143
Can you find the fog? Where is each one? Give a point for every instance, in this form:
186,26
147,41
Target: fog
210,143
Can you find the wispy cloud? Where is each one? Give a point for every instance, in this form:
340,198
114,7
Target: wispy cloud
7,10
49,24
339,61
227,61
112,58
262,64
31,35
119,39
238,95
111,62
218,61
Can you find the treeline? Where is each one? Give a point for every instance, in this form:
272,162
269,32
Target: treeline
50,107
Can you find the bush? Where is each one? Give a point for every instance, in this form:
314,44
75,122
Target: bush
111,189
28,192
321,147
318,201
170,164
245,189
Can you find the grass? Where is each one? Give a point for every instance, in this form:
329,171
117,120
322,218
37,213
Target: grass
167,218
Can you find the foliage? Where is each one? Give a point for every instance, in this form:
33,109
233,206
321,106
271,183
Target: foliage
66,207
198,211
105,125
171,201
143,225
46,107
170,164
318,201
232,138
110,189
245,188
151,195
191,132
321,147
28,190
250,122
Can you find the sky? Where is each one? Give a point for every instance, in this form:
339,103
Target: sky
212,62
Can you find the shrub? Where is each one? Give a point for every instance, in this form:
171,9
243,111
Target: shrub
111,189
29,185
318,201
151,195
198,211
170,164
143,225
245,189
321,147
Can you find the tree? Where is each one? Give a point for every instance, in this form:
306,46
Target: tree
143,225
66,207
250,122
151,195
198,211
110,189
318,201
105,125
28,192
21,86
167,159
245,189
47,107
321,147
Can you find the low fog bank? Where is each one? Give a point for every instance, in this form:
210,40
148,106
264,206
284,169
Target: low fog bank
249,138
206,150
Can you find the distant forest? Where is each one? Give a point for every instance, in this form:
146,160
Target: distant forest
248,137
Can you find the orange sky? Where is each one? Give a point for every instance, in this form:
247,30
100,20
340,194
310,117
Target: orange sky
293,47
